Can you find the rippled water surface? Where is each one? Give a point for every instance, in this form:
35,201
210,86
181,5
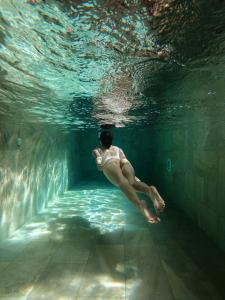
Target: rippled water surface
82,63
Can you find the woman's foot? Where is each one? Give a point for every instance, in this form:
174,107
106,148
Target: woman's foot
148,215
157,200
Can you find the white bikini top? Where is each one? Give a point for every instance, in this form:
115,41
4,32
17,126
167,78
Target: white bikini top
112,152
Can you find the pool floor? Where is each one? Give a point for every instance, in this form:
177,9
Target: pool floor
93,244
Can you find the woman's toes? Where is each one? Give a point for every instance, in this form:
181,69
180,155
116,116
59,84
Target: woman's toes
161,206
152,221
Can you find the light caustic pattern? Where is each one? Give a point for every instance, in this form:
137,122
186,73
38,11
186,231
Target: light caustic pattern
103,208
51,55
63,240
26,192
91,62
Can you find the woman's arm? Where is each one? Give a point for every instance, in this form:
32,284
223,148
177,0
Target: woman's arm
98,158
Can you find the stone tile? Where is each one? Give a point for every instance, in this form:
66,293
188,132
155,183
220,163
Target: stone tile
203,289
188,287
149,282
208,220
104,274
3,266
170,260
179,289
139,246
85,241
10,252
37,251
76,236
69,253
111,254
111,238
137,237
191,268
182,264
168,233
19,277
58,281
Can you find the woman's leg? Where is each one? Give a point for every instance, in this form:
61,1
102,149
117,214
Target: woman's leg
158,201
128,172
113,172
150,191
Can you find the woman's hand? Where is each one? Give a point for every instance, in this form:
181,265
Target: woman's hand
99,163
98,159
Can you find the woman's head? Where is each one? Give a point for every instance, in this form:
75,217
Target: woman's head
106,138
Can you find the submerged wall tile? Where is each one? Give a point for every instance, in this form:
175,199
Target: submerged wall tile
197,170
33,170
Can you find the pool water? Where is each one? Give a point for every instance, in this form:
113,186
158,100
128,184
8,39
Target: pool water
92,244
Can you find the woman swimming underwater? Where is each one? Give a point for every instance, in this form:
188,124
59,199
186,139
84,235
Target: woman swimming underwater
118,170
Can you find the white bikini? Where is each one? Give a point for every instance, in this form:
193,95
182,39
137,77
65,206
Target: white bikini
107,155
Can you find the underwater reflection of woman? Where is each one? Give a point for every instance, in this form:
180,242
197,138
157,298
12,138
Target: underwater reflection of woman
112,161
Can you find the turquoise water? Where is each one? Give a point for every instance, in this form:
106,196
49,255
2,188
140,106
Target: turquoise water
100,207
79,64
70,251
53,56
73,65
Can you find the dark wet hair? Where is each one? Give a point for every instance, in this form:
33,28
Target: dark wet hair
106,138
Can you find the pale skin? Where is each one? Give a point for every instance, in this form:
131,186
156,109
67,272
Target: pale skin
121,174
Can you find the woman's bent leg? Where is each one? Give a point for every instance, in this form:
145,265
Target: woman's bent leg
129,191
151,192
157,200
139,186
115,176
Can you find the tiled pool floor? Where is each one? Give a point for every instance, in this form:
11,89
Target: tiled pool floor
92,244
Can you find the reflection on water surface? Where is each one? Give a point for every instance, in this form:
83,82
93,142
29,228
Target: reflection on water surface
78,64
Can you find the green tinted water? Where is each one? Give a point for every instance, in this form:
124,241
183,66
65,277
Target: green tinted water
79,64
